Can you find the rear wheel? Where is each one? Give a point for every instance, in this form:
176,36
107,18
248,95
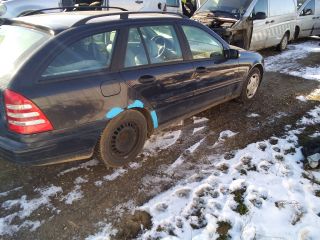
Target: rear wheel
251,85
284,43
123,139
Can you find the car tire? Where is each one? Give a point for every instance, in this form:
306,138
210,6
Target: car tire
284,43
123,139
251,86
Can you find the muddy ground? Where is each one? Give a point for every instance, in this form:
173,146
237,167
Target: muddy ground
111,201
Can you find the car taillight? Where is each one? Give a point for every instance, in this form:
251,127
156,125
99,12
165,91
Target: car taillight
23,116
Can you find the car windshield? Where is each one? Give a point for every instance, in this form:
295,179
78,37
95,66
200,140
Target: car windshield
16,44
226,8
300,3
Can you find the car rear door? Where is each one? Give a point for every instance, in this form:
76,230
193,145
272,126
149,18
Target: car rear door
155,70
216,78
76,84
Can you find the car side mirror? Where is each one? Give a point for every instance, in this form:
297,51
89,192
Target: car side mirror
307,12
259,16
231,54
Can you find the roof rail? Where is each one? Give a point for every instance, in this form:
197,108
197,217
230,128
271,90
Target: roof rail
123,15
72,8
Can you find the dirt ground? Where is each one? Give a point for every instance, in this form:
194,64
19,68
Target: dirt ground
111,201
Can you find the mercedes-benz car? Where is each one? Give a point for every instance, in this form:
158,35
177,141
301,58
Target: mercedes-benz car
82,84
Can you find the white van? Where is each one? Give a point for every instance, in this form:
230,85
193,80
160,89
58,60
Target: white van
251,24
137,5
308,20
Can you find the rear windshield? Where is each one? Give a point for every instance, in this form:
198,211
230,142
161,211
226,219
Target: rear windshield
16,45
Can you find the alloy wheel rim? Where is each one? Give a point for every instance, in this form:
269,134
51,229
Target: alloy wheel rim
253,85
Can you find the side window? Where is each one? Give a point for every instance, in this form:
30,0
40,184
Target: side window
309,9
162,43
282,7
202,44
88,54
173,3
261,8
135,53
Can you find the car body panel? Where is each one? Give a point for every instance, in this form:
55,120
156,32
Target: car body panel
16,8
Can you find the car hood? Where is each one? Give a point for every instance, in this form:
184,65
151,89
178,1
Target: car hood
214,20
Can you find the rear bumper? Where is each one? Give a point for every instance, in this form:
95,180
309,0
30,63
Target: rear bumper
52,147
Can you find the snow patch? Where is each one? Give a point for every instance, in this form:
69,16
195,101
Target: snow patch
105,233
161,141
117,173
23,208
4,194
226,134
199,129
85,165
253,115
197,120
288,61
76,194
302,98
269,177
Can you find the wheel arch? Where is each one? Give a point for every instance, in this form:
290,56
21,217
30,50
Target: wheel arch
148,117
296,32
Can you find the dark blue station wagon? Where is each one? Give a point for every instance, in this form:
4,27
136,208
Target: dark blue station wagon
81,84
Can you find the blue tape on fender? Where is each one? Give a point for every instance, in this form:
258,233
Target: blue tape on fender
114,112
136,104
154,119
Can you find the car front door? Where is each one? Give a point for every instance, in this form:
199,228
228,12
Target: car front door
216,77
307,19
156,72
260,25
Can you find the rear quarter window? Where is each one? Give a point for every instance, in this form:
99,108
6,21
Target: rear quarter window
17,44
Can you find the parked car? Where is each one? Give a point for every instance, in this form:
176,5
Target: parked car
250,24
74,85
308,22
16,8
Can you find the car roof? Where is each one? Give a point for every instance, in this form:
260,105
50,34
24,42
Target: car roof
61,21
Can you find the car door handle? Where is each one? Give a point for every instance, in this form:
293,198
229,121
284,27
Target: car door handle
201,69
314,18
267,22
147,79
138,1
